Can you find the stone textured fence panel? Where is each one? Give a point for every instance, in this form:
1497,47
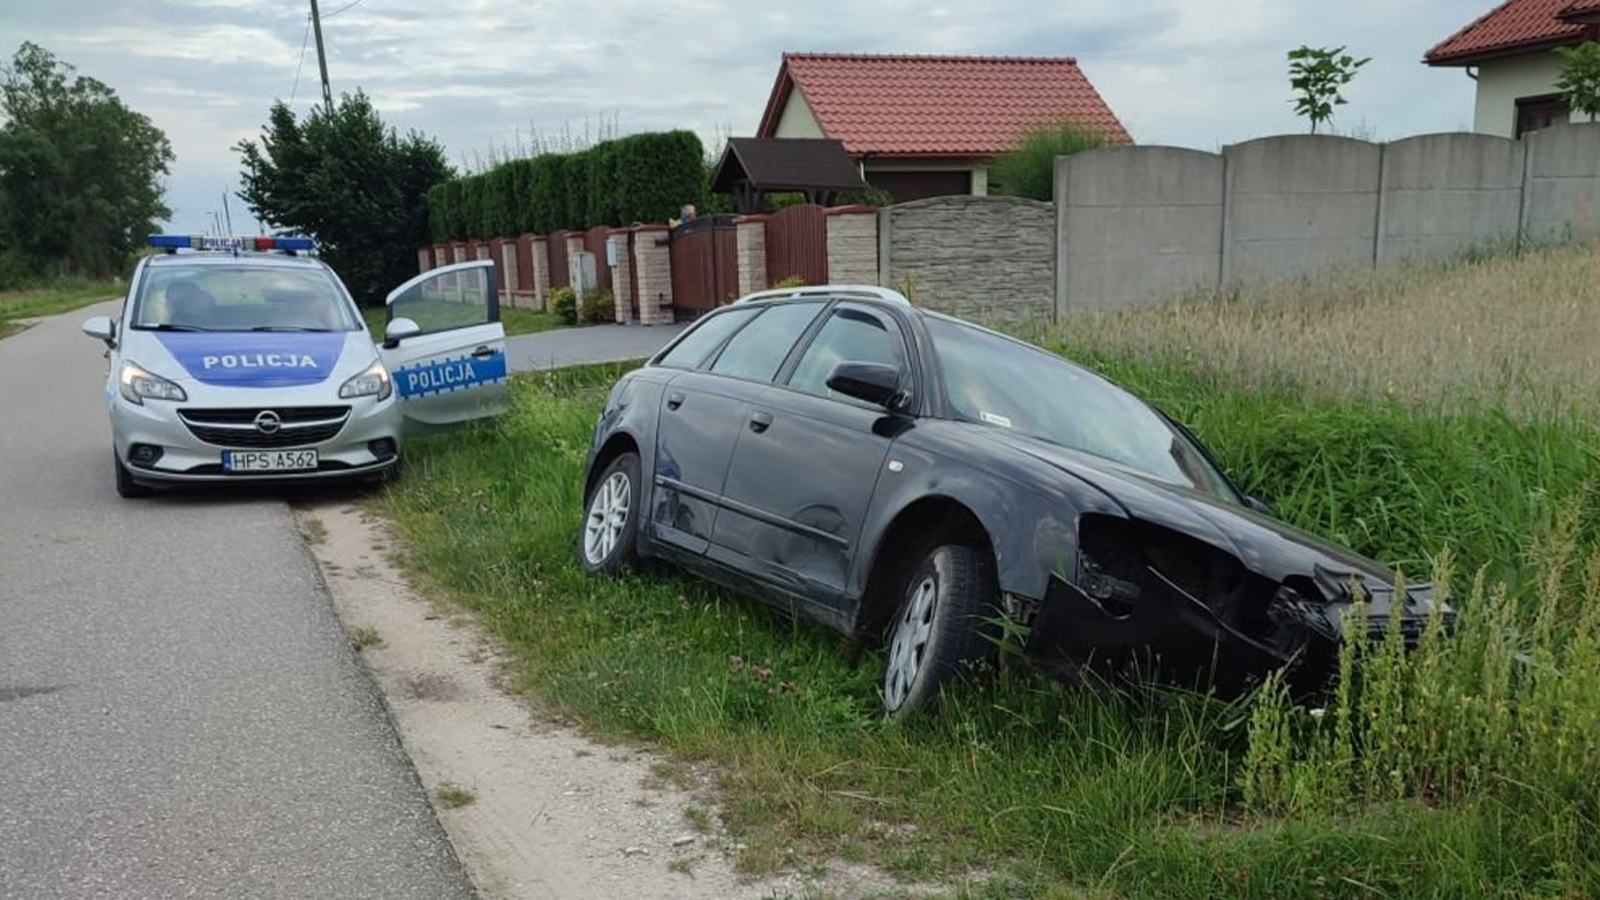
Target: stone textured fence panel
988,257
1444,193
1138,224
1297,205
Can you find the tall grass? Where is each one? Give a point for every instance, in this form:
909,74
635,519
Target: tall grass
1466,768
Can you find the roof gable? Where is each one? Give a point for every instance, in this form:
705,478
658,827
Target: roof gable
790,164
1516,26
937,106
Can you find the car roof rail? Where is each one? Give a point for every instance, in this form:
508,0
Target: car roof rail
829,291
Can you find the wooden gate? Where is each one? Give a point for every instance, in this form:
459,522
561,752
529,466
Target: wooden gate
797,245
705,264
557,244
594,241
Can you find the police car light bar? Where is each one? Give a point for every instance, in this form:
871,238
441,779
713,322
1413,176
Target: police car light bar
174,242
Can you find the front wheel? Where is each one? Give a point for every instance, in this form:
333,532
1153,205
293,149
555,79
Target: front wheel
609,542
127,488
938,633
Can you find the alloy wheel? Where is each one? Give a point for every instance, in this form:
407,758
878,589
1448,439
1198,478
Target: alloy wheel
608,516
910,642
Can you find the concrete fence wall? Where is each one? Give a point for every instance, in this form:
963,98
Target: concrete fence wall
1141,225
985,257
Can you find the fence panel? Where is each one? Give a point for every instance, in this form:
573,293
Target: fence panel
557,244
797,245
705,265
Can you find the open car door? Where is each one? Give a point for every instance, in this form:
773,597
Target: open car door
450,368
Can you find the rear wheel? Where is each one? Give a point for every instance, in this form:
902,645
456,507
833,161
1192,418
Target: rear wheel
937,635
126,486
609,542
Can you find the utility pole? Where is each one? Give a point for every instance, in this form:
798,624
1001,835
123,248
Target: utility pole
322,58
226,213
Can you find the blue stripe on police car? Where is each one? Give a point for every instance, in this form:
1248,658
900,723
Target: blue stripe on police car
444,376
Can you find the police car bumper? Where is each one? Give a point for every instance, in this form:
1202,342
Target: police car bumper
167,442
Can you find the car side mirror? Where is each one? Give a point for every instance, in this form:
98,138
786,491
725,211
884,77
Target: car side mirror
1260,506
398,330
873,383
101,327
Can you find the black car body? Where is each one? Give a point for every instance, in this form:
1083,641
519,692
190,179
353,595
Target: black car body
820,503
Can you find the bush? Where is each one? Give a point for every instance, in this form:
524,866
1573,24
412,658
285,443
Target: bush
549,192
1030,170
564,303
577,183
599,306
657,173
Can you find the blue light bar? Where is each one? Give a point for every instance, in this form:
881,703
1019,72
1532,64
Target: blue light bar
175,242
171,241
292,243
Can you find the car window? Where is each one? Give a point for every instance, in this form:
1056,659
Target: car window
851,334
213,297
759,348
1016,387
447,301
692,349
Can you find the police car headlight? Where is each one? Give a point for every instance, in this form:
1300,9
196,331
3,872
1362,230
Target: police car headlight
138,385
374,382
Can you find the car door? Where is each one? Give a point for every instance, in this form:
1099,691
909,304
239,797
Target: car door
808,460
453,370
696,427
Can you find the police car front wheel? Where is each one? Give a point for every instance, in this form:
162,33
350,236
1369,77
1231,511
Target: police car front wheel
126,486
609,541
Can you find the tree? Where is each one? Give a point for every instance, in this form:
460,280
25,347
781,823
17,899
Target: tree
1030,169
350,182
80,173
1316,75
1580,78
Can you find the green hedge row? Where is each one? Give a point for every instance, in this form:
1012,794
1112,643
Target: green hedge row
640,178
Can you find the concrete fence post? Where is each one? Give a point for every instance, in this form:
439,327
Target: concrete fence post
852,244
621,273
750,236
506,256
654,258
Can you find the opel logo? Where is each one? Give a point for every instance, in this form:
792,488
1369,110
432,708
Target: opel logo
267,422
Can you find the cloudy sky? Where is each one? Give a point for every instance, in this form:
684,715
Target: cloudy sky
478,74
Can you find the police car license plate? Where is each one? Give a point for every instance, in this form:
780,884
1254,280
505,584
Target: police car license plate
268,460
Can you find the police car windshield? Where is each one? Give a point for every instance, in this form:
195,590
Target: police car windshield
211,297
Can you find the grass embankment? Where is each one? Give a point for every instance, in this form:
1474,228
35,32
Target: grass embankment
1467,769
49,299
516,319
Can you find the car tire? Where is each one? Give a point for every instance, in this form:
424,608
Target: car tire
939,633
609,541
127,488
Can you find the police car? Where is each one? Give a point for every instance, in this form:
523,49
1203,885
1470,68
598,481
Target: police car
238,359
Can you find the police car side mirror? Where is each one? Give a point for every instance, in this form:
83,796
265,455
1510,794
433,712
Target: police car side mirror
101,327
398,330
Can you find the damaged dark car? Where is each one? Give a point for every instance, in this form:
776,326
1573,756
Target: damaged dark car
907,477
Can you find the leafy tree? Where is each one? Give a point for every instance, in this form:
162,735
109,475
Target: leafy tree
351,182
80,173
1316,75
1030,169
1580,78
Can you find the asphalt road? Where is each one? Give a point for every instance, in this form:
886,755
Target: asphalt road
180,712
591,344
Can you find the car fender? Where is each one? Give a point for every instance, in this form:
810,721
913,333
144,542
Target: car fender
630,409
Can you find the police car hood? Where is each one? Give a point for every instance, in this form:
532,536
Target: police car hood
255,359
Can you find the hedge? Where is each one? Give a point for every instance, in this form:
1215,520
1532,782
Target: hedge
641,178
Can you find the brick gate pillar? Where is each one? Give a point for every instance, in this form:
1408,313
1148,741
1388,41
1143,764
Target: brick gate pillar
852,244
655,274
750,236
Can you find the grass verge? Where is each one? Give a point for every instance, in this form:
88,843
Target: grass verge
1465,769
516,319
47,300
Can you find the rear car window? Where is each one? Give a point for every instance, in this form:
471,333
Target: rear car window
241,298
692,349
760,348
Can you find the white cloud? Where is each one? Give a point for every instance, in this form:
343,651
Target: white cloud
476,73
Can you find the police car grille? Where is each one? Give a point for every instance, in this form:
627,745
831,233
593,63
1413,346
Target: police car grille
300,426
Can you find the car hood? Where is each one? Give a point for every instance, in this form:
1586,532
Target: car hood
1267,546
253,359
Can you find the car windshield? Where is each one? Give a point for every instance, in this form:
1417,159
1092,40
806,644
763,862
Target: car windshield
1010,385
212,297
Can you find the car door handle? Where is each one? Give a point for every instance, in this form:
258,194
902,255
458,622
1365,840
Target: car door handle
483,352
759,421
674,401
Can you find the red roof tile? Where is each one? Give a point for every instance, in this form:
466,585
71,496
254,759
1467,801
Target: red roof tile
938,106
1513,25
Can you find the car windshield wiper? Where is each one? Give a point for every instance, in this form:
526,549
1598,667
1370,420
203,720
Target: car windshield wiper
288,328
171,326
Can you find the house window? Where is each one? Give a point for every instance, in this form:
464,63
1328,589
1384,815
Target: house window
1534,113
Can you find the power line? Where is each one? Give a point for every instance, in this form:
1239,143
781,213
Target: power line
304,39
341,9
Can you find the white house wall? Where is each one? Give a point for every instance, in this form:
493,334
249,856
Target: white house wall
797,120
1502,82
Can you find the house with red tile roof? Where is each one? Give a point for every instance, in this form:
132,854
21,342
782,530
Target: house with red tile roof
925,126
1510,52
